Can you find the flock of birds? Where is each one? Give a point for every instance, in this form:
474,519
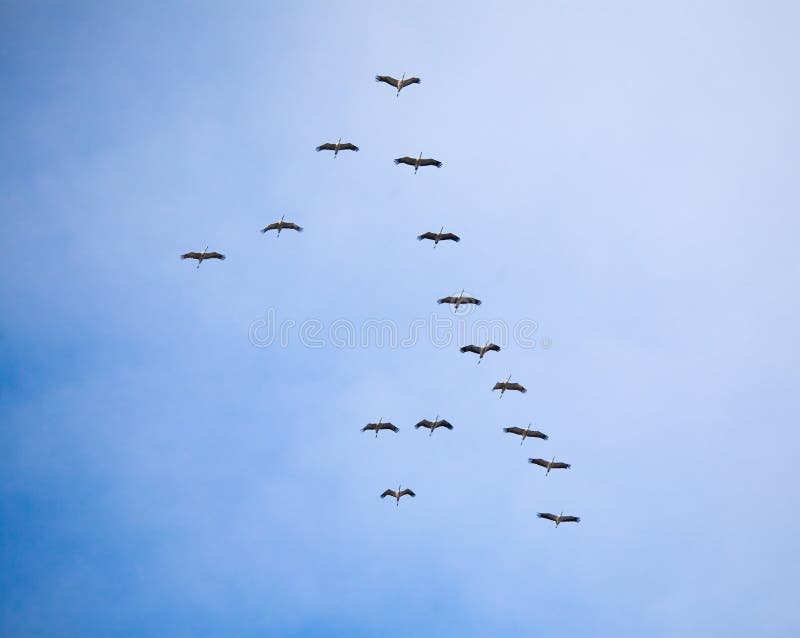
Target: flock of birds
455,301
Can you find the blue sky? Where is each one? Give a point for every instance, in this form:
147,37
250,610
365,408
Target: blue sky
623,174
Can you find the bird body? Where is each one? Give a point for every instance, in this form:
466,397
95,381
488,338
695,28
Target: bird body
459,300
526,433
432,425
203,255
481,350
281,225
328,146
379,426
418,161
437,237
398,84
550,465
507,385
396,494
560,518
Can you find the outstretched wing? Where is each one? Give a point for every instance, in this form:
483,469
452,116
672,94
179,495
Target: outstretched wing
446,300
449,236
441,423
474,349
406,160
273,226
430,162
293,226
370,426
427,235
560,466
518,431
408,81
190,256
391,493
214,256
326,147
493,347
477,302
537,434
348,147
388,426
424,424
570,519
539,462
515,386
407,491
548,516
500,385
388,79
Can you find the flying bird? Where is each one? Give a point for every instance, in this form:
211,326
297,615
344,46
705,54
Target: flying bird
281,225
397,494
398,84
526,433
550,465
379,426
440,236
203,255
459,300
347,146
432,425
507,385
560,518
417,162
481,350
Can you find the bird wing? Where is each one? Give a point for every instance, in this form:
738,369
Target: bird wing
515,386
386,78
548,516
388,426
499,385
293,226
430,162
190,256
450,236
407,491
273,226
441,423
477,302
560,466
408,81
214,256
406,160
570,519
474,349
537,434
539,462
446,300
423,424
493,347
518,431
427,235
391,493
326,147
348,147
370,426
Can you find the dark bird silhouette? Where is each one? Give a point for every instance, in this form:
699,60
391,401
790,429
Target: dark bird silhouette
347,146
507,385
398,84
560,518
379,426
418,161
432,425
282,225
550,465
440,236
481,350
203,255
397,494
459,300
526,433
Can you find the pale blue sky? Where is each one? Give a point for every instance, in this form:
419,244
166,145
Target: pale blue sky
622,173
